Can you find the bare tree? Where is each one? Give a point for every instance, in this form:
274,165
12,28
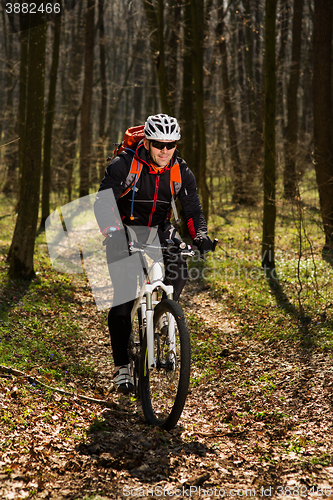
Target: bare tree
269,215
173,20
155,17
86,100
322,113
8,121
48,126
71,89
104,90
187,110
23,243
198,25
291,132
22,111
256,97
238,194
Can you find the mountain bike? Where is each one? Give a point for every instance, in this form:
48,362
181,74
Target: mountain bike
159,348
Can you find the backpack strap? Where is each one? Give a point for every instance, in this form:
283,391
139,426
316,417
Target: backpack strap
132,176
175,212
131,180
175,185
175,180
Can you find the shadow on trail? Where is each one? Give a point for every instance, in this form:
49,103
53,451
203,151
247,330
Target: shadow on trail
12,293
123,441
225,213
284,303
327,255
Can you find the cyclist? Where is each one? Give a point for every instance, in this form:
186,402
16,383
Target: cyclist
148,203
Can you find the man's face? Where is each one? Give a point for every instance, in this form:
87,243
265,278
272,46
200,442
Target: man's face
160,156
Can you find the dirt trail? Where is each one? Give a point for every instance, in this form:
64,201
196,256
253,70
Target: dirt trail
259,424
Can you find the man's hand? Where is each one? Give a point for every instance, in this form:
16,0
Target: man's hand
204,243
115,238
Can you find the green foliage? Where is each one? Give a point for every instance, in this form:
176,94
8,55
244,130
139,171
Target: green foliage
324,460
37,331
205,349
203,344
295,302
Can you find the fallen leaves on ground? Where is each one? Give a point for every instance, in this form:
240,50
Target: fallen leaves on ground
258,418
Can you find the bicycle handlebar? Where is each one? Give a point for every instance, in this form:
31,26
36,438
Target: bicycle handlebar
171,247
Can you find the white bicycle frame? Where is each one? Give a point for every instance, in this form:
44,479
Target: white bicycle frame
146,302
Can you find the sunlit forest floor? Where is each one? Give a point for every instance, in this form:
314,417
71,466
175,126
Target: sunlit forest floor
258,419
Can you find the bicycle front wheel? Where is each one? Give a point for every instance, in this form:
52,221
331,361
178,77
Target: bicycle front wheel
164,388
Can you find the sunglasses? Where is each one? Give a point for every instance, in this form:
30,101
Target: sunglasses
161,145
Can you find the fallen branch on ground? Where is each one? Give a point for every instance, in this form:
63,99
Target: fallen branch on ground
18,373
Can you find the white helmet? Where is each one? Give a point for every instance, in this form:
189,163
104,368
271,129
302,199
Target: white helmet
162,128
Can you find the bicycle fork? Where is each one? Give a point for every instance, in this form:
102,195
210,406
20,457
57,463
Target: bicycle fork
148,313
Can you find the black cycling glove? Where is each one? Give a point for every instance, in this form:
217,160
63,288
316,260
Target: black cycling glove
204,243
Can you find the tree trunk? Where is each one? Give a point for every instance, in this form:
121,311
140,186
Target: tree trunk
322,113
249,60
174,17
23,243
155,19
104,94
85,150
257,126
283,37
48,127
187,118
305,139
238,194
269,215
198,20
241,76
186,148
291,133
8,119
258,80
138,74
22,111
71,90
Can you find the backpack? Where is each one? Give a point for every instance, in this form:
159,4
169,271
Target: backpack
132,137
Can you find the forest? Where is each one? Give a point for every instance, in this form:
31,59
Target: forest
250,82
240,76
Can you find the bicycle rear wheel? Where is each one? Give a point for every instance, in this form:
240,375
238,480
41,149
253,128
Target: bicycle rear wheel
164,388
